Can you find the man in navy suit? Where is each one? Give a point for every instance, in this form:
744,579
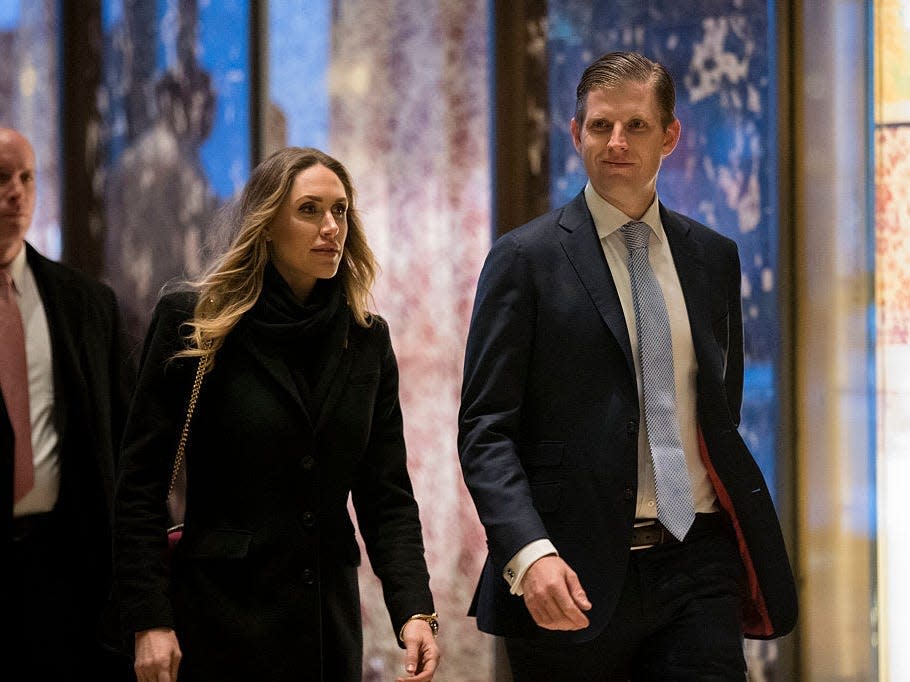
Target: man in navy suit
583,579
56,529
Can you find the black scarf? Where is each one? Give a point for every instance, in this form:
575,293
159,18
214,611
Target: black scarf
309,336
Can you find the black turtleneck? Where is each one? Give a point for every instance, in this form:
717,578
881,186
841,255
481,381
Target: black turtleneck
309,336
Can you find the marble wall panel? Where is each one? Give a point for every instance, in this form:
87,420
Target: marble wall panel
29,102
176,134
409,116
892,297
892,319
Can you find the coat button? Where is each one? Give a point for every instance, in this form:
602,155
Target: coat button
628,494
308,462
632,427
309,519
309,576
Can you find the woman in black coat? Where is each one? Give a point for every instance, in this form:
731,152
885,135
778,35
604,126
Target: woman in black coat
298,408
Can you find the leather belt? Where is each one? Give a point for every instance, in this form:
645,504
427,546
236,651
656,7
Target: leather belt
647,534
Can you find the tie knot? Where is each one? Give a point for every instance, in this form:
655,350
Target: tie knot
7,288
636,234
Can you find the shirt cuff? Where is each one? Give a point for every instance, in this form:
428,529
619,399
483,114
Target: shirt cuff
520,563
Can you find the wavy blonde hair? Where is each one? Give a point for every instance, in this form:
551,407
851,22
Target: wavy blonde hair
233,284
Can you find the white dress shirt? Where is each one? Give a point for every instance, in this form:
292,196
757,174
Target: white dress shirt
607,220
45,441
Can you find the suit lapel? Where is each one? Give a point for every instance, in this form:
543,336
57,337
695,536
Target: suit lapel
334,379
580,242
689,260
62,331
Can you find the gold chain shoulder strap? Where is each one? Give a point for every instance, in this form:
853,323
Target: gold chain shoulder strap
184,434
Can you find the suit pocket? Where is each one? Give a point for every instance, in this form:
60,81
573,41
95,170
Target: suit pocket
547,496
545,454
543,463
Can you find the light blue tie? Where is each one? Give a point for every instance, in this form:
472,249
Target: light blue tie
675,508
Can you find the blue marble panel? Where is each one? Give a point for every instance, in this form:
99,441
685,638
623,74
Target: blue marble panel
175,102
217,44
9,16
298,70
224,51
724,171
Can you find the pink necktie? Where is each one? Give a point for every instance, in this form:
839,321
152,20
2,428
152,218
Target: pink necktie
14,384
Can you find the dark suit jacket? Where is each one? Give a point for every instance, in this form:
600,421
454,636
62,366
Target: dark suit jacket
549,415
92,383
264,583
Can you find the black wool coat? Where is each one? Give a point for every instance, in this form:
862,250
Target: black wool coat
264,581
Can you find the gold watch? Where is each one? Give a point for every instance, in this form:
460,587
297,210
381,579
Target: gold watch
431,619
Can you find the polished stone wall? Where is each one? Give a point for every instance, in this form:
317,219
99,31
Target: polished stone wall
29,102
892,320
409,116
176,136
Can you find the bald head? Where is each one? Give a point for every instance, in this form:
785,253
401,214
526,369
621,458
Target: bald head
17,192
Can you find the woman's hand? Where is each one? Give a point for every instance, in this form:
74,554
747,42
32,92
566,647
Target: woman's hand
421,652
157,655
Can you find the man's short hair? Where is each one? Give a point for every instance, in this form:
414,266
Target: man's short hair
616,68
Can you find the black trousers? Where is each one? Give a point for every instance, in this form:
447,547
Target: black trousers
678,618
55,632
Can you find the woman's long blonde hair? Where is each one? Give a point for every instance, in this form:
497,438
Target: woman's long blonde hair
233,284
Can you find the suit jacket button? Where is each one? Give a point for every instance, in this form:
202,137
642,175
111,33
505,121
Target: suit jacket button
628,494
308,462
309,576
632,427
309,519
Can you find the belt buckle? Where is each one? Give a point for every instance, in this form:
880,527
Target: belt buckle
658,529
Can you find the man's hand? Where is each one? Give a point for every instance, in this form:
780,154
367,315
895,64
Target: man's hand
421,652
157,655
553,595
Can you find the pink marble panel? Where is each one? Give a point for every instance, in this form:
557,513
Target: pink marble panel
892,227
892,297
409,116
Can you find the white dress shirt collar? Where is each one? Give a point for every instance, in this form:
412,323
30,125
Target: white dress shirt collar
608,218
16,269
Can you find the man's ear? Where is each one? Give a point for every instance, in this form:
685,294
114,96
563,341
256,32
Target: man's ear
575,129
671,137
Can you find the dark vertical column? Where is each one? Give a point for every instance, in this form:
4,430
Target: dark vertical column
520,113
520,145
81,210
787,58
259,85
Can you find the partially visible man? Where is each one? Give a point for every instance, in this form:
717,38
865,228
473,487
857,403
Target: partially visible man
65,380
631,533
